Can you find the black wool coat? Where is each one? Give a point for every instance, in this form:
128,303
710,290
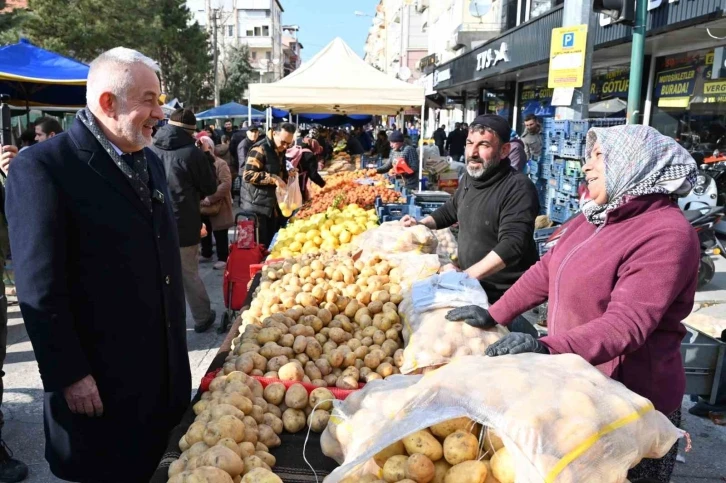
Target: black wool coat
100,287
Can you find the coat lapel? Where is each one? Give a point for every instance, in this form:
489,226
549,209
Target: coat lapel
91,152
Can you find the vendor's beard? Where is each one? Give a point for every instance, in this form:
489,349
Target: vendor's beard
478,171
134,135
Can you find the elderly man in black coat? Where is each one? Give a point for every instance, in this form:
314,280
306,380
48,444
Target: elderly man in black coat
98,276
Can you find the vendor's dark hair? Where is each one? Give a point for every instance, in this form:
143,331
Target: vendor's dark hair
287,127
530,117
27,137
49,125
382,134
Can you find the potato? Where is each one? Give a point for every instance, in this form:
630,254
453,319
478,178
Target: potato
183,444
325,316
347,382
292,371
195,433
267,436
312,371
419,468
276,363
375,307
246,449
271,334
445,428
321,398
296,397
395,468
492,441
441,467
424,443
293,420
331,380
225,427
274,422
266,457
286,340
258,414
314,349
372,360
177,467
318,420
385,369
467,472
205,474
502,466
220,410
336,358
223,458
274,410
261,475
460,446
300,344
274,393
324,366
197,449
394,449
302,359
243,403
252,462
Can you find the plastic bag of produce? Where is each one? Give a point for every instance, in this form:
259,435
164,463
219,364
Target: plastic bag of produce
447,248
559,419
411,267
430,339
289,198
392,237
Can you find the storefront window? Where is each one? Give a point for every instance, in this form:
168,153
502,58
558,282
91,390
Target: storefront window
534,98
540,7
609,92
496,102
688,105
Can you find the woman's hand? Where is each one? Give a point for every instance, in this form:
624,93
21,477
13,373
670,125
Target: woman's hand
516,343
8,153
206,202
472,315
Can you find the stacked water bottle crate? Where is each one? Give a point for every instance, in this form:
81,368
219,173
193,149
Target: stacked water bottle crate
559,175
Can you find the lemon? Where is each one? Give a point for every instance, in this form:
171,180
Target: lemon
345,236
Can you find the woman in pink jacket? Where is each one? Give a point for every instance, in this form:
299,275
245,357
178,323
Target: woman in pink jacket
621,278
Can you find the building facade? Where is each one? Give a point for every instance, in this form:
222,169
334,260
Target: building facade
291,49
683,84
254,23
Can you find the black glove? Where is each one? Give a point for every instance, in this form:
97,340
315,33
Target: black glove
472,315
516,343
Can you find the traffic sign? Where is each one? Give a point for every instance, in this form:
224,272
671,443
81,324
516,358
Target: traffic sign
567,56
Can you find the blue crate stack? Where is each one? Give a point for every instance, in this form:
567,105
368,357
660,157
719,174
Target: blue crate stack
558,175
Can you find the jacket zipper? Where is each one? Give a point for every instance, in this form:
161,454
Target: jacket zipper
561,268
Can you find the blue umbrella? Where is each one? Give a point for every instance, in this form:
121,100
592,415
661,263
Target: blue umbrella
38,77
229,110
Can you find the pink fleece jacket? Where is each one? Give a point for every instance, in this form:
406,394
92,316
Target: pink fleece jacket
617,295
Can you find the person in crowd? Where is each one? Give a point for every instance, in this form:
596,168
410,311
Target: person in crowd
222,151
532,137
456,142
440,139
403,161
243,148
414,132
217,223
495,207
191,177
227,128
264,171
382,147
364,138
11,469
105,313
27,139
517,157
46,128
304,158
353,145
642,286
212,132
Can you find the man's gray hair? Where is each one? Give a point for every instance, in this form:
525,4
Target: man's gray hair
111,72
478,128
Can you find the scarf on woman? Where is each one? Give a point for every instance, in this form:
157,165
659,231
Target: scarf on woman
639,161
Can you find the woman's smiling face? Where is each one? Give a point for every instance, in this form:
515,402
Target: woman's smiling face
594,171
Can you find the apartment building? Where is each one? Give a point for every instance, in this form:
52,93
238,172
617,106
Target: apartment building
291,49
11,5
254,23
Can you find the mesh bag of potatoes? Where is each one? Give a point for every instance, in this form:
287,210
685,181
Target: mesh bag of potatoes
392,237
447,248
524,418
431,340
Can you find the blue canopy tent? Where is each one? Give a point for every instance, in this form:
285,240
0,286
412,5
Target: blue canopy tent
279,115
229,110
32,76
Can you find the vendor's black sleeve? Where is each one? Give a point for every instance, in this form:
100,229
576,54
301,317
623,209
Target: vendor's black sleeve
311,166
516,222
447,214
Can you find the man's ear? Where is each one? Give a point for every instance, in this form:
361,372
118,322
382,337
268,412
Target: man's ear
504,151
51,134
109,104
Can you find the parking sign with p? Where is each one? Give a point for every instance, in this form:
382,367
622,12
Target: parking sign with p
568,40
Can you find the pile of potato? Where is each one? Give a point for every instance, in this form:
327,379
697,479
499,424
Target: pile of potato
230,438
454,451
329,321
447,248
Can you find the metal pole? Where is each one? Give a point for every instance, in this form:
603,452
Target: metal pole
249,109
637,59
420,149
216,58
648,111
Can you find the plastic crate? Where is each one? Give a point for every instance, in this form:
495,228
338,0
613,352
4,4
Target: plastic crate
396,212
429,207
573,168
558,167
570,185
572,149
532,167
562,208
553,145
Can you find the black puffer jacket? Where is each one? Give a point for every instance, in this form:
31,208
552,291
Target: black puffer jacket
190,175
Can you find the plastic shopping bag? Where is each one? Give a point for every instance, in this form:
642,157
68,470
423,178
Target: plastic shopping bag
289,198
432,340
392,237
559,419
448,248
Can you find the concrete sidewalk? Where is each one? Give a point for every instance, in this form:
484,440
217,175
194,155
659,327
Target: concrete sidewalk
23,400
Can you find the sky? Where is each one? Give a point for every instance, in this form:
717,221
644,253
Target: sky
320,21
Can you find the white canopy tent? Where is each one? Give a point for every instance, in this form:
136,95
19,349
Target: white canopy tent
337,81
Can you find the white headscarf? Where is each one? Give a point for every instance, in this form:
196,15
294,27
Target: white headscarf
638,161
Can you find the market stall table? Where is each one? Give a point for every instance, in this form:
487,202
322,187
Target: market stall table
290,466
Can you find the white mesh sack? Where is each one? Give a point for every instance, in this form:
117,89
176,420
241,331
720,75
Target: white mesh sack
392,237
560,419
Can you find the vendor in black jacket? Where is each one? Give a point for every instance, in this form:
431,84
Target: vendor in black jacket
495,207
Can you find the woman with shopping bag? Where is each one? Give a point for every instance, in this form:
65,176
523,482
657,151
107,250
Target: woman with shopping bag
216,209
621,278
